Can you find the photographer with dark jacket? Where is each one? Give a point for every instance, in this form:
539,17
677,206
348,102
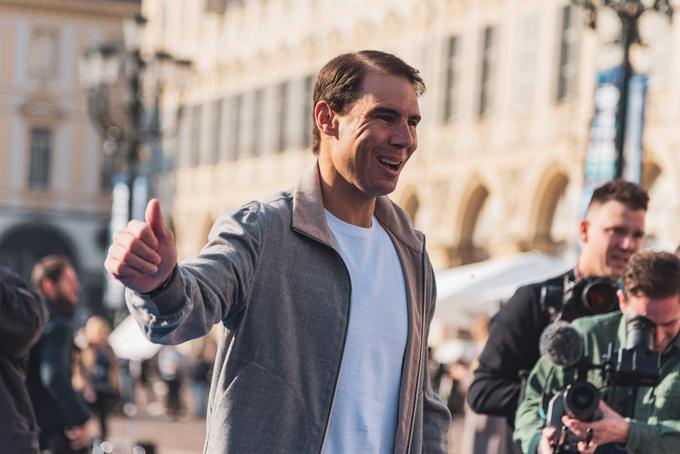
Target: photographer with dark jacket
22,318
610,233
652,290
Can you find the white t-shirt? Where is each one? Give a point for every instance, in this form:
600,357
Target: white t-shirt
366,404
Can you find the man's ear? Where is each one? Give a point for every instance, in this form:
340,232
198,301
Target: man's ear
623,304
583,230
48,288
326,119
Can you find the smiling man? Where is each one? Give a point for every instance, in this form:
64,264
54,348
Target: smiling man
325,293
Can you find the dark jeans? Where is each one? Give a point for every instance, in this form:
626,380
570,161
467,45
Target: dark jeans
54,438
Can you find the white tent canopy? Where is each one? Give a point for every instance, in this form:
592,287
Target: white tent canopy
128,341
467,292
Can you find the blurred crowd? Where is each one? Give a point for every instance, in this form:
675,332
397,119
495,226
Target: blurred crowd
62,380
451,368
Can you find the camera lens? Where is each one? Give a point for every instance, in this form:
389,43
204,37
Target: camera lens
640,332
581,400
599,296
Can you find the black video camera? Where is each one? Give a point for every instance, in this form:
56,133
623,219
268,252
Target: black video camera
634,365
588,296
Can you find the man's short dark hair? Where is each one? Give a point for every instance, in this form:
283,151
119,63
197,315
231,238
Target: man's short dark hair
339,81
51,267
629,194
652,274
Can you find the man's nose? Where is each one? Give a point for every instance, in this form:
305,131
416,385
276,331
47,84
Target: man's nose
630,243
659,340
403,136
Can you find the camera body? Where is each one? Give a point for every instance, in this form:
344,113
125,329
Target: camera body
579,400
635,364
587,296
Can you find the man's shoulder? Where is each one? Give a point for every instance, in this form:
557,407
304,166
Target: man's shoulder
530,292
596,324
524,305
265,210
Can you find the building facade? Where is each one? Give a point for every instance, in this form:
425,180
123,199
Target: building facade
54,184
506,116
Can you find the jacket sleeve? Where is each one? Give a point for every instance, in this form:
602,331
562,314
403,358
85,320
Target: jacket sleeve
436,416
512,347
55,374
22,315
531,417
205,289
662,437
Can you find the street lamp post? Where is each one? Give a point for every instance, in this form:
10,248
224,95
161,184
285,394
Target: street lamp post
628,12
124,88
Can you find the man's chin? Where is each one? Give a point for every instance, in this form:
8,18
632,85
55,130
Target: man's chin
616,271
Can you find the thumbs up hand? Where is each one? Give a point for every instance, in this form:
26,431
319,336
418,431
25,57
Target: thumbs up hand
143,255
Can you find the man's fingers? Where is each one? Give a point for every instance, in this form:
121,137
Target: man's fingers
142,231
120,258
154,218
586,448
126,274
132,243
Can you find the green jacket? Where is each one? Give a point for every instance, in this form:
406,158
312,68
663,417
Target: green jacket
656,426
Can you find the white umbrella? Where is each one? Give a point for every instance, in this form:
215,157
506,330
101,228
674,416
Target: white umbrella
467,292
128,341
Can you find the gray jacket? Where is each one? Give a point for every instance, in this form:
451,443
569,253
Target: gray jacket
271,274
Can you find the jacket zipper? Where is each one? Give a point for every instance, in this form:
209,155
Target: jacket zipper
344,339
420,356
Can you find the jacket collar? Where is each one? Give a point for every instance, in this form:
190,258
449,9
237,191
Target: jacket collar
309,218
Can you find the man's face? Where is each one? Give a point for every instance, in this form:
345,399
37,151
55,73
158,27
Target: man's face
67,287
376,137
664,312
610,234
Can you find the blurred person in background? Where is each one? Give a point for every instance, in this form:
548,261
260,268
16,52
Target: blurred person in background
200,376
98,373
610,233
482,434
62,414
170,366
22,319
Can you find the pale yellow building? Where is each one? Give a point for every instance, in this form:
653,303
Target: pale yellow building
505,128
54,185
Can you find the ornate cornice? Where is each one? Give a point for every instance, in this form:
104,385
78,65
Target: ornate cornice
100,8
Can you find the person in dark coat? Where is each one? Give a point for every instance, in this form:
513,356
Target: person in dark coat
22,319
62,414
610,233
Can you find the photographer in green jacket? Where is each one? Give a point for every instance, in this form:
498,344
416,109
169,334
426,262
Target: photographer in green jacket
652,290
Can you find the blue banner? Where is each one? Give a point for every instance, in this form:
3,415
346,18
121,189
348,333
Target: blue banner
635,119
601,157
600,162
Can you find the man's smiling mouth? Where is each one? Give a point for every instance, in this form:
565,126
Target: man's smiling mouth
391,164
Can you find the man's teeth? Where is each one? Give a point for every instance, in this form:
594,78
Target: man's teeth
389,162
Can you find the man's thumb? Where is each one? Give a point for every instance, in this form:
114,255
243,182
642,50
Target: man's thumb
154,218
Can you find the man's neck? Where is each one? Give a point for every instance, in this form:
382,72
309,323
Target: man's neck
358,212
583,270
346,202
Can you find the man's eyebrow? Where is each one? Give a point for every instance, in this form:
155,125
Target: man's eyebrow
670,322
392,112
384,110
